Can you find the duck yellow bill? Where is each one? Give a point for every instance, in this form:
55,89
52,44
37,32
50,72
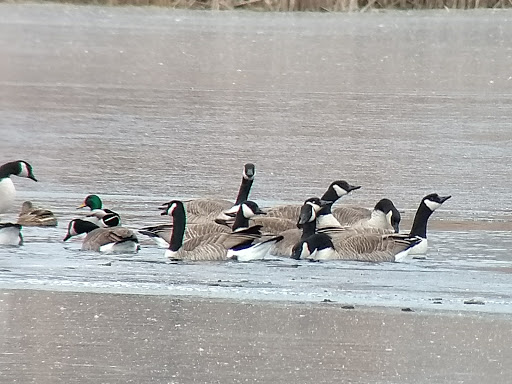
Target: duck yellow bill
81,206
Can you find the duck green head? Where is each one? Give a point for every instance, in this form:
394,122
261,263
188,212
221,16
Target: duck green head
91,201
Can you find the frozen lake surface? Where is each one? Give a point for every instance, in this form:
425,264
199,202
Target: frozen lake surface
142,105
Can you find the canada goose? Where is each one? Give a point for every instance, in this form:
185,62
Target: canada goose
161,234
257,251
204,209
18,168
360,247
427,206
273,225
36,217
10,234
335,191
100,216
383,216
241,233
106,240
349,244
305,227
205,251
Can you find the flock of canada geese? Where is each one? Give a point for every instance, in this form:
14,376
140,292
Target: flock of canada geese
215,229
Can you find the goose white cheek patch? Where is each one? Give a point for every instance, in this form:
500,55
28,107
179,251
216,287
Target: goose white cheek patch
339,191
247,212
71,230
24,170
388,217
433,205
171,209
248,177
314,206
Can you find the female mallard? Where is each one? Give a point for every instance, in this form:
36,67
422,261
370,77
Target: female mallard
36,217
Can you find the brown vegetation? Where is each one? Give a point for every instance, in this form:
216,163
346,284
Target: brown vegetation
306,5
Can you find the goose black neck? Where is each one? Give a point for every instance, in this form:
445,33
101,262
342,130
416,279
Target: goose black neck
325,210
330,195
319,242
84,226
179,223
243,192
308,229
419,225
240,220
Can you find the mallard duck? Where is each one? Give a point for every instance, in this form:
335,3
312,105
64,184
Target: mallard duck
36,217
100,216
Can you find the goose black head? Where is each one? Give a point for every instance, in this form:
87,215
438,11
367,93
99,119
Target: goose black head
341,187
250,209
249,171
434,201
388,208
338,189
79,226
306,215
18,168
317,203
26,170
300,251
171,207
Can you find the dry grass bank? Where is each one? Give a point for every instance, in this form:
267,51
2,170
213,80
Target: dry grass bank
305,5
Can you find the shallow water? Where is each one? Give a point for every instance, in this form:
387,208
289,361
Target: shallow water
141,105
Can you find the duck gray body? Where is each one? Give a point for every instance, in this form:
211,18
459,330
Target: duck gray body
100,216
